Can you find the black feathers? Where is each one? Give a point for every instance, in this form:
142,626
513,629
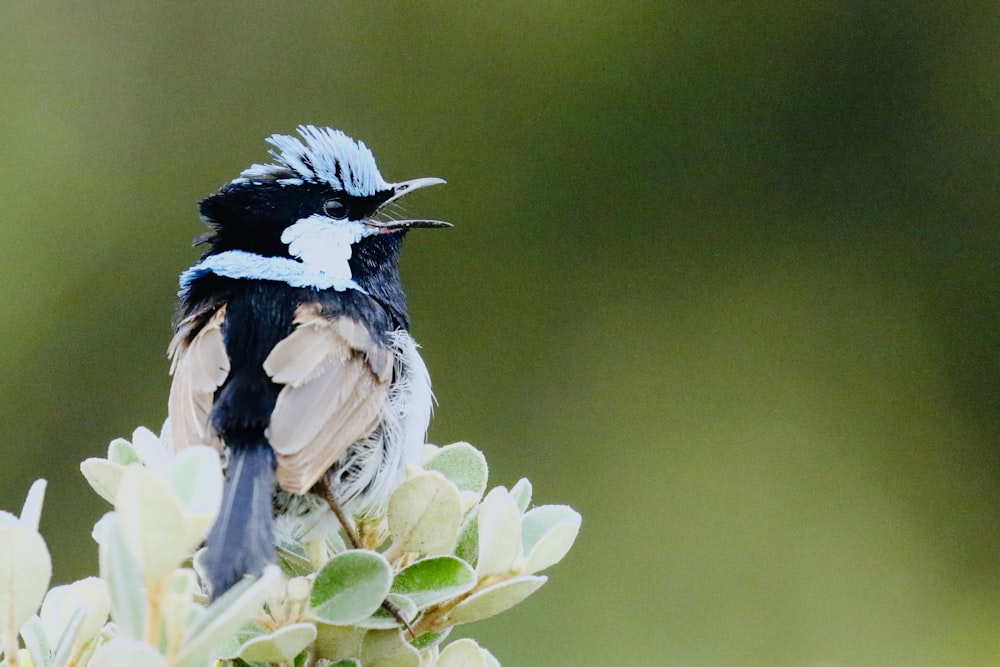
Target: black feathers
242,538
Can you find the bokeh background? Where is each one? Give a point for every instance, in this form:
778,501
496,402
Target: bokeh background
723,278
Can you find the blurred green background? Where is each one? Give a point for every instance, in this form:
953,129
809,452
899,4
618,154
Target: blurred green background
723,278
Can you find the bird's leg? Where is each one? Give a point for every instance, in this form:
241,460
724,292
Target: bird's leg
327,493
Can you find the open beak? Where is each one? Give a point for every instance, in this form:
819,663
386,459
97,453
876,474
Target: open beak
405,188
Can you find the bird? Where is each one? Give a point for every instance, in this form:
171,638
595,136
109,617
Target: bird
292,354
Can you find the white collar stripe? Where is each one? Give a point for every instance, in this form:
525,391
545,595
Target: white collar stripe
248,265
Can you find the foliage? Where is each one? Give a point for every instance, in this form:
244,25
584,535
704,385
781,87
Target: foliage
444,554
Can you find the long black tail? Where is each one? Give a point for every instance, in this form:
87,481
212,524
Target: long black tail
242,540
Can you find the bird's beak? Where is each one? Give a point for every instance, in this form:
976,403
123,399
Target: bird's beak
405,188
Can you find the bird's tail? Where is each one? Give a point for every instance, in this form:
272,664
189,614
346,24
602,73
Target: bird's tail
242,540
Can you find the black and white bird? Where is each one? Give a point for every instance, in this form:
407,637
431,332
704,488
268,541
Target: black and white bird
292,354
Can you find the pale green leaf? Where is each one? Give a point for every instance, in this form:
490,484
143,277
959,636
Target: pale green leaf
120,571
338,642
495,599
383,619
434,580
150,449
230,647
31,512
103,476
293,559
463,464
50,613
467,547
430,639
347,662
122,452
25,571
37,642
68,639
424,514
388,648
350,587
121,652
548,533
178,602
153,523
462,653
62,603
282,645
185,582
499,533
521,493
90,594
195,475
224,617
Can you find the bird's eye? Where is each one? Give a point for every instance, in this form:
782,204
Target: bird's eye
335,208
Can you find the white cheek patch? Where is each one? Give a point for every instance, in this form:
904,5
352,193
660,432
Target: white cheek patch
323,244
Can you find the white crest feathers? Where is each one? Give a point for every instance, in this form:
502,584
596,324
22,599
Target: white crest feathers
325,155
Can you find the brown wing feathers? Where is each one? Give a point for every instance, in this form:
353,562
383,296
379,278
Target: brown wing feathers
199,364
336,381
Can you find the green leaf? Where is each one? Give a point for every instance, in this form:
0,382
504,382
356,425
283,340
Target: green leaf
350,587
293,559
195,475
462,653
62,603
337,642
430,639
153,523
521,493
120,570
122,452
434,580
37,642
495,599
383,619
31,512
463,464
176,607
103,476
185,582
25,571
349,662
120,652
150,450
499,533
230,648
224,617
467,547
388,648
424,514
548,533
282,645
68,639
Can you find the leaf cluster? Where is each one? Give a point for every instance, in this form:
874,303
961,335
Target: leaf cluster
445,552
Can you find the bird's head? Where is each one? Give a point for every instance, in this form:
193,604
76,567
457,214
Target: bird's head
321,197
